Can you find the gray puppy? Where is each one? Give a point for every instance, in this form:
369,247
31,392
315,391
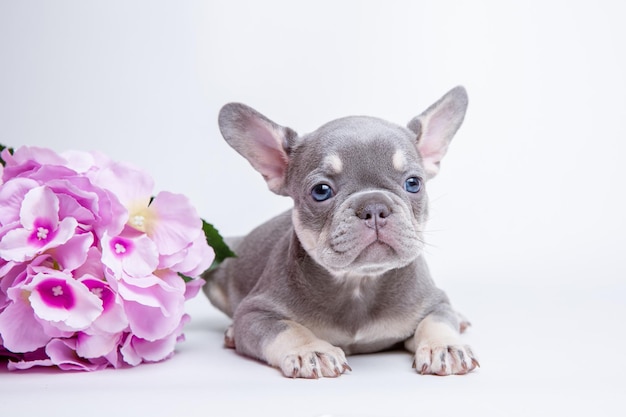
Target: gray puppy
343,271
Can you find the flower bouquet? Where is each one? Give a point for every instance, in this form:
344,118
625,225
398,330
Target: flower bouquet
94,269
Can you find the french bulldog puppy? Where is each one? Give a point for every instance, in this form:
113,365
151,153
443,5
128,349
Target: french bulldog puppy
343,272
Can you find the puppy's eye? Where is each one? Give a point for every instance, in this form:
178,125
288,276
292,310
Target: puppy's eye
321,192
413,185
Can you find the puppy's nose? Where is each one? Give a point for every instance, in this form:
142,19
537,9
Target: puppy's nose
374,214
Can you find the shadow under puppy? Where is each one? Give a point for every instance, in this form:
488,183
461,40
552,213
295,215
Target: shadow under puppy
342,272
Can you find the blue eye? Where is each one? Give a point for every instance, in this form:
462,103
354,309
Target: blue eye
321,192
413,185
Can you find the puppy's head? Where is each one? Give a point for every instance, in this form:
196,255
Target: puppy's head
358,183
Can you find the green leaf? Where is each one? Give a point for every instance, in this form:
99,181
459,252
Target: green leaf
185,277
2,147
215,240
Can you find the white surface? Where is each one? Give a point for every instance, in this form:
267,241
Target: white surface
543,353
527,228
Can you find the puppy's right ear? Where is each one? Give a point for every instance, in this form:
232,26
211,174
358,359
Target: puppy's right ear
263,143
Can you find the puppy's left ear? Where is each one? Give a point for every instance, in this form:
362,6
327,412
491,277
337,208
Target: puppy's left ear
436,126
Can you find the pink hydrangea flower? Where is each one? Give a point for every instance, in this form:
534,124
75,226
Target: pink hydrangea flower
132,254
94,272
40,227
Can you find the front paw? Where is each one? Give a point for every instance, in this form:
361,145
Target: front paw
444,359
315,360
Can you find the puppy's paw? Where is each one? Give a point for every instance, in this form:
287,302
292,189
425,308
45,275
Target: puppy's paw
298,353
315,360
444,359
229,338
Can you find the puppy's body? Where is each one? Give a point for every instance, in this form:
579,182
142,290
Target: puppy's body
342,272
359,314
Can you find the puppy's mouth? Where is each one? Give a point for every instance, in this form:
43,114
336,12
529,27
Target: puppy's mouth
376,253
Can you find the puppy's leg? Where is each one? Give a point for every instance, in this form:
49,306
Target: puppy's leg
300,354
288,346
439,349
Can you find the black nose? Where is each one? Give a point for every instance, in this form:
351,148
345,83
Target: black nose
374,214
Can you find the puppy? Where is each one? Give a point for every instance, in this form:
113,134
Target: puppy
343,271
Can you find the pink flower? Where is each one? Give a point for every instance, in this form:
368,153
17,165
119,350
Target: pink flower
62,301
131,254
94,272
40,227
168,219
52,303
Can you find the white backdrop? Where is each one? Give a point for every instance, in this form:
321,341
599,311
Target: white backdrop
533,173
531,194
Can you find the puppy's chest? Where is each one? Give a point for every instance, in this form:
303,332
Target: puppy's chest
371,336
361,326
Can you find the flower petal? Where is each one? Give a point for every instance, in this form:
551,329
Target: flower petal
92,266
198,258
39,203
128,352
193,287
26,160
69,207
26,154
112,216
73,254
177,223
154,351
151,323
19,329
62,353
135,349
11,273
29,360
113,318
129,184
95,346
79,161
15,246
12,194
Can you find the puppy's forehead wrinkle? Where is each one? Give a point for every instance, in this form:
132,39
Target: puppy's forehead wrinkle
352,131
360,127
359,147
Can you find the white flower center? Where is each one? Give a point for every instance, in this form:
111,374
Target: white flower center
138,221
42,233
57,291
119,248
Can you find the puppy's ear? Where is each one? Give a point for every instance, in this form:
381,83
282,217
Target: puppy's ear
262,142
436,126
